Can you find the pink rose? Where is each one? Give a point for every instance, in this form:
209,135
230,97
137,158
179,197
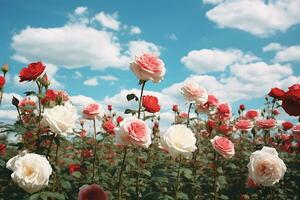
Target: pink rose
148,67
296,132
243,124
266,123
92,192
27,105
194,93
223,146
91,111
133,131
212,100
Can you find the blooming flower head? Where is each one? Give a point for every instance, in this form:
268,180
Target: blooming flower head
91,111
92,192
266,123
108,126
150,103
251,114
265,167
223,111
27,105
148,67
30,171
32,71
192,92
243,124
291,100
223,146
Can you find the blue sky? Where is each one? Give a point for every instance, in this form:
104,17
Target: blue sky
237,50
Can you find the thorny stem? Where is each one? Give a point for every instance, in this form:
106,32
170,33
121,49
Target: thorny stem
121,172
49,148
140,100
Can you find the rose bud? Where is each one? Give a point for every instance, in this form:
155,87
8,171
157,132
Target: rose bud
242,107
5,68
276,112
175,108
109,107
119,119
45,81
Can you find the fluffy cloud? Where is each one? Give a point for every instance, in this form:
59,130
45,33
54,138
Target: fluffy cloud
291,53
213,2
108,21
80,101
80,10
91,81
108,78
141,46
258,17
171,37
212,60
8,112
272,47
135,30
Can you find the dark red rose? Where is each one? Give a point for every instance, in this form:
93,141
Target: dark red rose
251,114
87,153
276,93
211,124
2,82
119,119
108,126
74,168
291,101
32,72
175,108
109,107
287,125
150,103
50,96
2,149
92,192
242,107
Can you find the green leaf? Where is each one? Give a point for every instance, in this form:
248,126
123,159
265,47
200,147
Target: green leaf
66,184
34,196
187,173
55,195
181,195
76,174
15,101
146,172
2,163
131,96
29,93
151,195
128,111
224,197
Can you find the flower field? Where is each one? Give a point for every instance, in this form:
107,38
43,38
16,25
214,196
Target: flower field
60,152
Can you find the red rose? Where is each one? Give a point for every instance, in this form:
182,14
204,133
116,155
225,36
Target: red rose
212,100
242,107
119,119
92,192
291,101
108,126
175,108
296,132
223,111
224,129
276,93
2,82
109,107
266,123
251,114
74,168
2,149
287,125
150,103
276,111
32,72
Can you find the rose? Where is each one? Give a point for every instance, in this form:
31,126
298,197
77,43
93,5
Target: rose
276,93
87,153
27,105
251,114
242,107
179,140
212,100
148,67
74,168
92,192
243,124
91,111
192,92
291,100
150,103
265,167
223,146
287,125
224,129
119,119
223,111
2,149
275,111
32,72
175,108
109,107
2,82
55,97
30,171
133,131
296,132
108,126
60,119
266,123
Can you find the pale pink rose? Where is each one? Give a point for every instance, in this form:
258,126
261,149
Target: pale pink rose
133,131
223,146
266,123
243,124
192,92
148,67
91,111
296,132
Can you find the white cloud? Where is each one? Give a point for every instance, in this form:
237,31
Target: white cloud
272,47
172,37
108,78
140,46
291,53
108,21
80,10
213,2
8,112
258,17
91,81
135,30
80,101
212,60
77,75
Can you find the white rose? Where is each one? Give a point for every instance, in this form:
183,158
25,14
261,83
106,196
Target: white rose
265,167
179,140
60,119
30,171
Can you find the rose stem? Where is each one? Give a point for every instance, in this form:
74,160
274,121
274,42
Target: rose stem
215,174
188,119
56,163
141,96
121,172
177,179
95,150
49,148
175,117
40,111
